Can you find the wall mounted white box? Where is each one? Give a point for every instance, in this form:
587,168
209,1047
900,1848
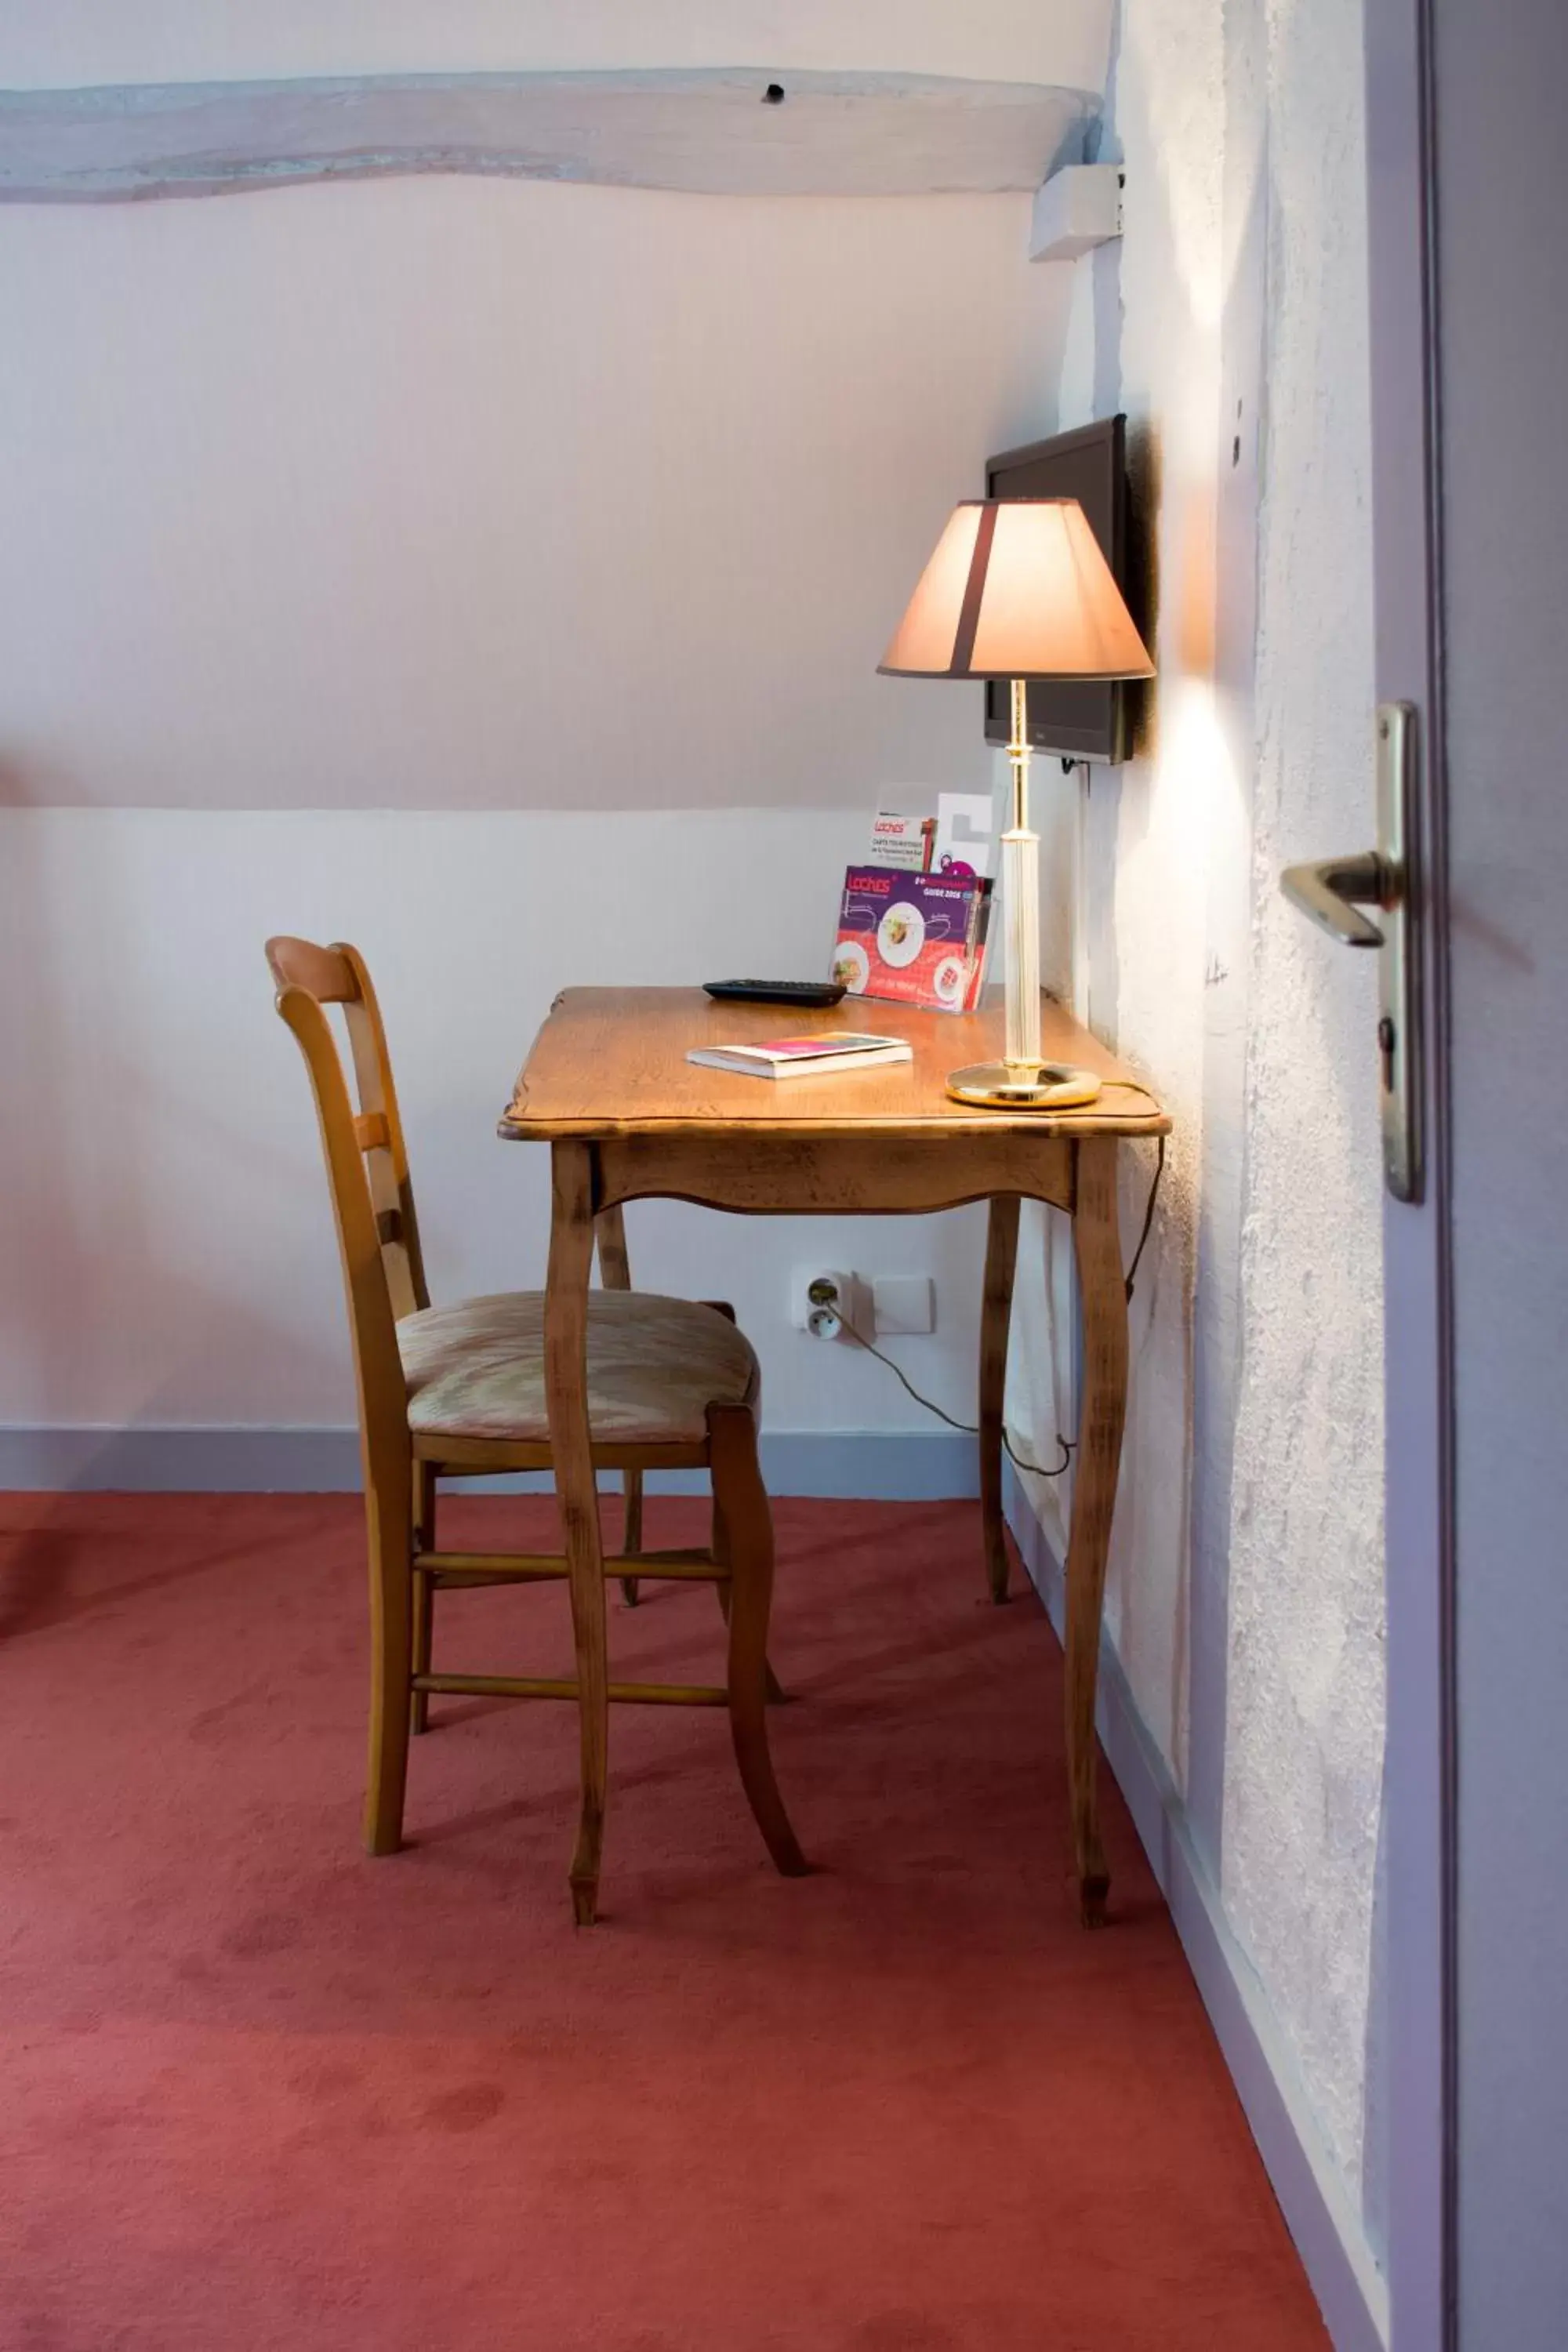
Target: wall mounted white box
1077,208
902,1304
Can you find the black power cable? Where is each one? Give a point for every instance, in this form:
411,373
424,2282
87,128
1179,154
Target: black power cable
970,1429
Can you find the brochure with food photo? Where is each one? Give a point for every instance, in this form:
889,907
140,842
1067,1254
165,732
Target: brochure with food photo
913,938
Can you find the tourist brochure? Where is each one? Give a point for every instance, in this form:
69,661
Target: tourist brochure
905,841
912,938
956,840
912,921
804,1057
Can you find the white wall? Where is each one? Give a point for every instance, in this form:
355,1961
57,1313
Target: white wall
168,1251
459,493
1245,1596
532,547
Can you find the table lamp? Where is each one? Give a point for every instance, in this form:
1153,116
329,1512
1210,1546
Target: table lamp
1017,589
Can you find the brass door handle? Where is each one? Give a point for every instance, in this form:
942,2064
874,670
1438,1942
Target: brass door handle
1332,891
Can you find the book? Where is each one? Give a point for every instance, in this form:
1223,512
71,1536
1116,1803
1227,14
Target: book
804,1057
913,938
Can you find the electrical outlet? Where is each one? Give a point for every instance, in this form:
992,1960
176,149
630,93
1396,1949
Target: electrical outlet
901,1306
904,1304
820,1300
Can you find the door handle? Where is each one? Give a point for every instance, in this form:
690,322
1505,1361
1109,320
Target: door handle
1331,893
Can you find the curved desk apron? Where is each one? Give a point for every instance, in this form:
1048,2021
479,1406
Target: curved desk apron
608,1086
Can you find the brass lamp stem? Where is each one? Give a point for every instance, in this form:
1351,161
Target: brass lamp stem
1018,753
1021,880
1020,1080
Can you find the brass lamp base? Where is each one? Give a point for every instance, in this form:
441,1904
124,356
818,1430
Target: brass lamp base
1023,1086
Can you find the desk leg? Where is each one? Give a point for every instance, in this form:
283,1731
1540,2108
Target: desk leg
1097,1248
997,1312
566,1390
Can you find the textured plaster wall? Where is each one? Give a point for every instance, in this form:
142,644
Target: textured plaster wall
1306,1574
1245,1596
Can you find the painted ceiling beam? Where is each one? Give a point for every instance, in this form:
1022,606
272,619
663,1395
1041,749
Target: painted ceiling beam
712,132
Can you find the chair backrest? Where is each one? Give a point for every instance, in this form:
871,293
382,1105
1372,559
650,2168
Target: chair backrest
338,975
367,1161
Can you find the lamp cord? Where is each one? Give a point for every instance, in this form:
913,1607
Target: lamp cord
971,1429
968,1428
1148,1220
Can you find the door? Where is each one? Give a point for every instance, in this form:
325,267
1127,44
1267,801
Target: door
1389,895
1501,272
1419,1738
1469,352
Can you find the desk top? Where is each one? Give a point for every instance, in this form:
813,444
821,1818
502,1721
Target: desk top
612,1061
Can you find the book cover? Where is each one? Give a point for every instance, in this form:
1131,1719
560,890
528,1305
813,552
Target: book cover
913,938
813,1056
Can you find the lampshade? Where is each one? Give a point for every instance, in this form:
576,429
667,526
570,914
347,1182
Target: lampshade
1016,588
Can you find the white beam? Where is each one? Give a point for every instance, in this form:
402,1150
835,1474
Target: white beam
714,131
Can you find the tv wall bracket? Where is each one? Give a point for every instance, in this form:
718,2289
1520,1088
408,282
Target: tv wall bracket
1334,890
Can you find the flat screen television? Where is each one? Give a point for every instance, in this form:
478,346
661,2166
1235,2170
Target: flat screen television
1079,722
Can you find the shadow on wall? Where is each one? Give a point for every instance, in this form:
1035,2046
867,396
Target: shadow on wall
1151,1530
50,1251
1177,324
96,1150
1374,2150
1230,545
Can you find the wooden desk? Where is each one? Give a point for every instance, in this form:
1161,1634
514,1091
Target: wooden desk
607,1086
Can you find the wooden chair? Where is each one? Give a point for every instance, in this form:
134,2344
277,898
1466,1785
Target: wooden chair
459,1391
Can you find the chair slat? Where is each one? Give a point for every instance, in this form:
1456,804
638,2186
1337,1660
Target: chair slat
550,1686
324,973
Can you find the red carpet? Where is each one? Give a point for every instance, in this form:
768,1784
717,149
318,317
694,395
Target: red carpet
260,2092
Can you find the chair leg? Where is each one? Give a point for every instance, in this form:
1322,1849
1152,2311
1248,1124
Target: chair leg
424,1593
742,1500
576,1495
719,1545
389,1523
631,1530
422,1599
615,1274
1001,1256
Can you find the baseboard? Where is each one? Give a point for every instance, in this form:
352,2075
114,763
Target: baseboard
894,1465
1350,2291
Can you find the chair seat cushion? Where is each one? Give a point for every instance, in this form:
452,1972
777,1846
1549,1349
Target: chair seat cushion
477,1369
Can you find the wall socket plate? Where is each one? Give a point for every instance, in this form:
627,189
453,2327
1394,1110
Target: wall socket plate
897,1306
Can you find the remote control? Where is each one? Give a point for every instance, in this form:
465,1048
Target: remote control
798,992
